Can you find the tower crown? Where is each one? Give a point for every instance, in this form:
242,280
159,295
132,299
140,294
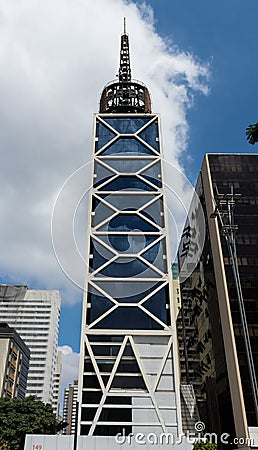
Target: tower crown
126,95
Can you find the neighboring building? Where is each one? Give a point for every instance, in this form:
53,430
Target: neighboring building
70,408
176,289
35,316
56,389
212,351
129,376
14,363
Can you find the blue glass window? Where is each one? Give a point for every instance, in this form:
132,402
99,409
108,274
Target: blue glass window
127,201
102,213
127,165
152,180
99,305
104,135
127,125
149,135
105,350
128,318
137,297
132,243
100,255
124,146
151,254
157,304
128,365
129,222
127,182
102,174
127,291
153,211
126,268
105,365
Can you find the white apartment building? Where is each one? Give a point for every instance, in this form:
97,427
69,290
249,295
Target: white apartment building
35,316
70,407
56,390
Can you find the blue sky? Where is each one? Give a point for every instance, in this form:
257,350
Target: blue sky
57,61
225,34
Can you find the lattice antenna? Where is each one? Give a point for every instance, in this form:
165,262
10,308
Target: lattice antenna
125,68
125,95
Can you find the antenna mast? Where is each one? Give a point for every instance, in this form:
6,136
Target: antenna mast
124,69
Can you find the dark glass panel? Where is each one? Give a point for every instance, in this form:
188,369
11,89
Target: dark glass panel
154,171
151,254
154,211
88,414
93,397
105,350
105,379
85,430
91,381
157,304
100,255
128,351
127,182
127,164
132,243
116,415
130,222
152,180
149,135
104,135
126,268
129,318
128,291
128,202
98,260
127,146
105,338
95,202
105,365
99,305
127,126
127,366
115,400
88,366
128,382
102,212
137,297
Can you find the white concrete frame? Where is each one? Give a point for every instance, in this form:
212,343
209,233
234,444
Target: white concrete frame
154,350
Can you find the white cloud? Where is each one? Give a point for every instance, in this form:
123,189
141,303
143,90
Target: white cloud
70,367
57,56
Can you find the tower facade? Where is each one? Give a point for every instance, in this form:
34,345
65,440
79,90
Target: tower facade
34,314
14,363
128,366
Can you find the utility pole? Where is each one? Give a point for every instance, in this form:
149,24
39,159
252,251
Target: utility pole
224,211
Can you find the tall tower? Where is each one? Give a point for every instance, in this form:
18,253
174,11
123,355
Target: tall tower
128,366
34,314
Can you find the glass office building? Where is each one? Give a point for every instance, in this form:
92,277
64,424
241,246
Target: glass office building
213,354
128,366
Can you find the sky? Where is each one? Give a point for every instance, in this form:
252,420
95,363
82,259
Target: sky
199,60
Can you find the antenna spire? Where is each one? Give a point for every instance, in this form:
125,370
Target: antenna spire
125,95
124,69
